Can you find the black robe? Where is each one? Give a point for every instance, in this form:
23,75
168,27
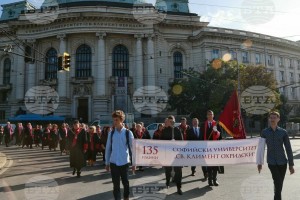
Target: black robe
77,157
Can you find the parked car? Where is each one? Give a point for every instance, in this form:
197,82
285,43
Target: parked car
151,128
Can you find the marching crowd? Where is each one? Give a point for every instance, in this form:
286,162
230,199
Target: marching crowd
83,143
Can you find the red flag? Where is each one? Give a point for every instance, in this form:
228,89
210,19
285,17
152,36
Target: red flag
231,119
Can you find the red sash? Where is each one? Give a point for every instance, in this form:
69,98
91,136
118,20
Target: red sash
214,134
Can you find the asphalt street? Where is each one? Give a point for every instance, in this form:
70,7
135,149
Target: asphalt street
43,174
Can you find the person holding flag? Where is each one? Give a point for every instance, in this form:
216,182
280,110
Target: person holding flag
211,131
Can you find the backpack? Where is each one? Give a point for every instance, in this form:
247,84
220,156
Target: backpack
127,142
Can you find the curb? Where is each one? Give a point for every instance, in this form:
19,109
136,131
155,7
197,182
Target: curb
3,160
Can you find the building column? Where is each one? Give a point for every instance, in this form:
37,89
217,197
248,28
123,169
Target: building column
139,82
150,58
20,72
100,78
31,66
62,76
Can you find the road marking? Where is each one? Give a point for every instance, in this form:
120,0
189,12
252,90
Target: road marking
10,162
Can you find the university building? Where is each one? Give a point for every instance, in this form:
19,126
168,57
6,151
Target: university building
118,46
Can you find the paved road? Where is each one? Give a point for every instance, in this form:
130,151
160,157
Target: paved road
41,174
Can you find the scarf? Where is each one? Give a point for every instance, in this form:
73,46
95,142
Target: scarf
74,142
214,123
92,141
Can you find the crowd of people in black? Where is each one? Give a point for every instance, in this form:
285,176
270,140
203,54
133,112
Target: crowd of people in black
82,142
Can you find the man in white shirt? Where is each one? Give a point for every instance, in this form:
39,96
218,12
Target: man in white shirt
118,154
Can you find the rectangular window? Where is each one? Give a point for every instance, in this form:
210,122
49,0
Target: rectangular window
2,114
298,64
290,63
178,64
293,93
291,77
281,75
270,60
281,90
233,55
215,54
257,58
245,57
280,62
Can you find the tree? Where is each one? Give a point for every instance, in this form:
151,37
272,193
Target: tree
211,89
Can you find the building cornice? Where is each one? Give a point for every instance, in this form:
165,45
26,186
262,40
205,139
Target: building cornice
242,35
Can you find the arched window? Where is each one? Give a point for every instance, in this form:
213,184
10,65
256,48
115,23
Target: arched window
120,61
178,64
83,61
6,71
51,64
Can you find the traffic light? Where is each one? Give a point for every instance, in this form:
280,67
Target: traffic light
64,62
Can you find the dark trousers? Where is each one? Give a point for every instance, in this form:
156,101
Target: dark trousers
193,168
278,174
204,170
117,173
177,177
212,173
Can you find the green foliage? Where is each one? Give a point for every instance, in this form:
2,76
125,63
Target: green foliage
212,88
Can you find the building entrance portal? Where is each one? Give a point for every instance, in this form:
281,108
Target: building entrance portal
83,110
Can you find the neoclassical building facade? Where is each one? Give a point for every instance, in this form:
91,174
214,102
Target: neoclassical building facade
118,46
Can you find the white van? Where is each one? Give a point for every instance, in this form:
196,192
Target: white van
106,120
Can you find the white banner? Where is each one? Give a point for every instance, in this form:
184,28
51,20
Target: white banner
193,153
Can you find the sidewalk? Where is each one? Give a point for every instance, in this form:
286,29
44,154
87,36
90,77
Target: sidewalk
3,160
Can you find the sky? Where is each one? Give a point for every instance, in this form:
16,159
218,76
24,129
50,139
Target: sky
271,17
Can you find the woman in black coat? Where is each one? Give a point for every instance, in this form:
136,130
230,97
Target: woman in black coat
78,147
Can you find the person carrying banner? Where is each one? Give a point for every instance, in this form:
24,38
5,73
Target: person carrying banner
118,154
194,133
211,131
277,137
183,127
172,133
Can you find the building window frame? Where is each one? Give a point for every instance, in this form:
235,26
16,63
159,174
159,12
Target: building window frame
291,66
215,54
245,56
178,64
282,79
83,64
6,71
51,65
233,54
257,58
270,60
292,77
120,61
